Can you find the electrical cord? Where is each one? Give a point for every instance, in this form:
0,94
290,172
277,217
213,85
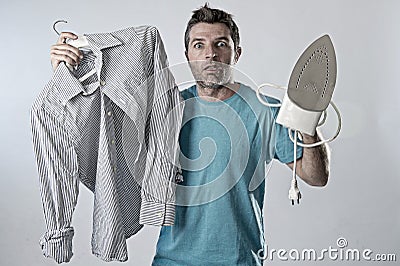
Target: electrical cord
294,192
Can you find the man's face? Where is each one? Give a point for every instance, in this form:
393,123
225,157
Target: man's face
211,53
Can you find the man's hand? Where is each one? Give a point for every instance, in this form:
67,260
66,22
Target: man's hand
62,52
313,167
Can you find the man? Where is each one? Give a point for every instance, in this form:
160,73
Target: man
226,138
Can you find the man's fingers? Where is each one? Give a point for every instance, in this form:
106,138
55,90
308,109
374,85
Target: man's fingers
66,35
63,52
66,48
70,55
57,58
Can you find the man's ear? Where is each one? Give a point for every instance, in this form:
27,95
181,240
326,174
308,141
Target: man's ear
238,52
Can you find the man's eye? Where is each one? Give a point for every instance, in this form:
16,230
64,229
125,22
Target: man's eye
221,44
198,45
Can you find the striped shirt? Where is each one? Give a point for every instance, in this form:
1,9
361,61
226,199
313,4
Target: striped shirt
116,132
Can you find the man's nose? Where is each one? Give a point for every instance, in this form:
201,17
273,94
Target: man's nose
211,53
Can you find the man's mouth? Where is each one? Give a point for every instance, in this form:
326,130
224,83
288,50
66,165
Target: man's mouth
211,68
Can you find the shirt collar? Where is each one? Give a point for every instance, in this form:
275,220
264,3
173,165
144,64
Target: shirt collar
66,82
98,41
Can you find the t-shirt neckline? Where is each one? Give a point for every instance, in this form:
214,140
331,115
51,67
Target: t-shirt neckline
227,100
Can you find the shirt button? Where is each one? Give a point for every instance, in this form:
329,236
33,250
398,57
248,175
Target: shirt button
102,82
113,141
114,169
109,113
160,214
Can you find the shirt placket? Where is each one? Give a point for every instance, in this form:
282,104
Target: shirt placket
107,225
107,118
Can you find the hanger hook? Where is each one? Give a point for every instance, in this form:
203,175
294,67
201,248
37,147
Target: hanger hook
55,23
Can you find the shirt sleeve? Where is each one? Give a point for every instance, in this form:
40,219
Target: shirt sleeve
57,168
158,190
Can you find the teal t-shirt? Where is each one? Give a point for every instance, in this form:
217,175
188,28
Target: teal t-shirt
225,148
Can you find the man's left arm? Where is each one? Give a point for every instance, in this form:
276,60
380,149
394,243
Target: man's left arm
313,166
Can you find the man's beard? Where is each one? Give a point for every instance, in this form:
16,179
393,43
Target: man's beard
210,85
217,79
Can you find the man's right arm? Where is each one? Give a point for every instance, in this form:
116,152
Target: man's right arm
63,52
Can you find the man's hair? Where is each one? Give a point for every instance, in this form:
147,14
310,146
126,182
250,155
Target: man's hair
211,15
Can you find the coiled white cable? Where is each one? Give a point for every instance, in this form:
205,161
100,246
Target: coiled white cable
294,192
258,93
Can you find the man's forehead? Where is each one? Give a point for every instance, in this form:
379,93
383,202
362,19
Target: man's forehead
209,30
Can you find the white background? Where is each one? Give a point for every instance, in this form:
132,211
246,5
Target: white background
360,201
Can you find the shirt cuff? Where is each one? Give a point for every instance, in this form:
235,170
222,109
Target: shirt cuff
154,213
57,244
66,85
